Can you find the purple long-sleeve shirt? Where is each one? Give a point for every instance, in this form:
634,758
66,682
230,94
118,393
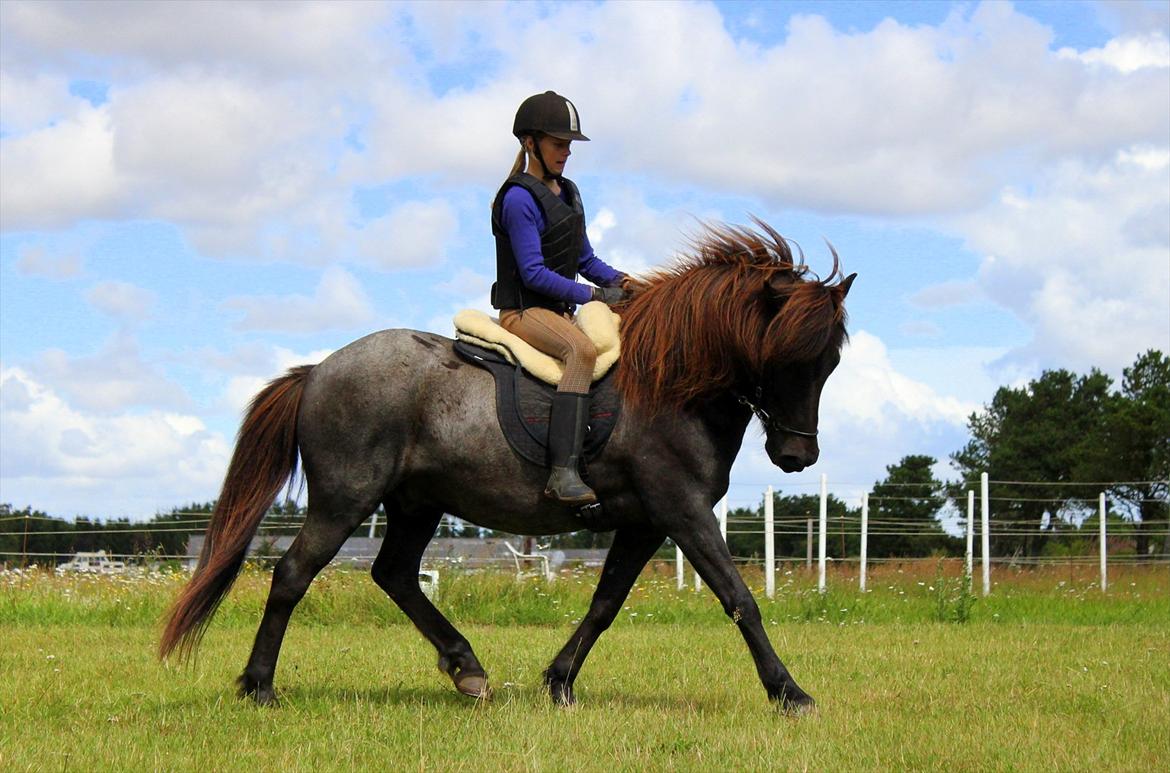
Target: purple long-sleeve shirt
524,222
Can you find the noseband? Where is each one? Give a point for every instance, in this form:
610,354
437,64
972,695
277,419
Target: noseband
770,423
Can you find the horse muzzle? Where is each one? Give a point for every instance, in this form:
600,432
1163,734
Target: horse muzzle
791,453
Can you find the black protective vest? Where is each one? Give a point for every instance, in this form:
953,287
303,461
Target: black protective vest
561,243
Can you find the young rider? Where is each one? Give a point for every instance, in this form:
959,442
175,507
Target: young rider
541,246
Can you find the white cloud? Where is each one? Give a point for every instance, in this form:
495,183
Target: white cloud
122,300
415,233
32,102
339,302
37,261
62,458
1084,259
1127,53
945,294
866,391
115,379
56,176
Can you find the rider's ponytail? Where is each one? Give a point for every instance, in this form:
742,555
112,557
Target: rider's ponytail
521,162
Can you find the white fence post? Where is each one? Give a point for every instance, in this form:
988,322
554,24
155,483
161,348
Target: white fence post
723,518
769,546
823,535
864,535
985,537
678,566
970,539
1101,511
373,522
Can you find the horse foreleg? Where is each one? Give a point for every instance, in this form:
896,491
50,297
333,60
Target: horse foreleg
630,551
701,543
314,547
396,572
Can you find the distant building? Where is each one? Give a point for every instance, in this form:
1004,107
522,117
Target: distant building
469,552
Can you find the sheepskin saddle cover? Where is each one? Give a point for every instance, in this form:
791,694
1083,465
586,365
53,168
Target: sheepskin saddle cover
524,403
594,318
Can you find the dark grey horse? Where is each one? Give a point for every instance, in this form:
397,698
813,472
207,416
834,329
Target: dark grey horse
397,419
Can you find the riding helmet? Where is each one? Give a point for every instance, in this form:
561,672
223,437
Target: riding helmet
548,113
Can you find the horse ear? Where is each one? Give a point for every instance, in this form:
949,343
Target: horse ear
846,283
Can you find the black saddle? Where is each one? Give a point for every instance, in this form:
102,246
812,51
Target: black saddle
524,403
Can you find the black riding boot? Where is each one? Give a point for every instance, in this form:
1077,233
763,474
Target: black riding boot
566,433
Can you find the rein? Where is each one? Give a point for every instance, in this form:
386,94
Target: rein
770,423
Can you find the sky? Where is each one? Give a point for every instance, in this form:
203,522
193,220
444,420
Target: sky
195,196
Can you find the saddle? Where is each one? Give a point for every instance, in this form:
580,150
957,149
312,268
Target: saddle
526,379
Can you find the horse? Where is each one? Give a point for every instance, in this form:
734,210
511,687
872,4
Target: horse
735,327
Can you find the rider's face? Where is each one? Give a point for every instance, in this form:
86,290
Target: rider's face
555,153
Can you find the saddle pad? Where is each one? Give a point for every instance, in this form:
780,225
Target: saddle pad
523,405
595,319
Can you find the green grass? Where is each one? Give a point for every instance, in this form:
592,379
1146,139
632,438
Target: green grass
1047,674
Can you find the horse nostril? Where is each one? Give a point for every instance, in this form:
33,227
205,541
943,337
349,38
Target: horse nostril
791,463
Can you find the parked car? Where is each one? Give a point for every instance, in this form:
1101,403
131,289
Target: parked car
92,563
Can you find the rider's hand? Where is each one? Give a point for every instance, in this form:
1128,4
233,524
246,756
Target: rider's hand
610,295
630,284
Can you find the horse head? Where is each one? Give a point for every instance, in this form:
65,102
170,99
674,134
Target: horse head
801,349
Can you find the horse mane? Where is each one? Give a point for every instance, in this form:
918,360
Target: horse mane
736,302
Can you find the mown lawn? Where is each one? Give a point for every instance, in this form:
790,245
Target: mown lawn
671,686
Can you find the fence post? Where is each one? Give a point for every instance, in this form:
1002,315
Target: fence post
1101,510
678,566
769,546
864,535
373,522
808,545
970,539
723,518
824,530
985,537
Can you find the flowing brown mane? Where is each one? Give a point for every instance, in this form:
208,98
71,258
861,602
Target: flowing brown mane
735,303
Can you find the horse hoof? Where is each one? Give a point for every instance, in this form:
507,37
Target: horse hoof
261,694
474,686
798,705
562,695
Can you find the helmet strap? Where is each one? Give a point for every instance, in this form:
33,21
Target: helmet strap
540,160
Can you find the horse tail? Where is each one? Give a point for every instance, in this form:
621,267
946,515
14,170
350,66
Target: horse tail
264,459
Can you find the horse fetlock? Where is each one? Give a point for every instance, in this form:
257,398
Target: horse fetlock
259,690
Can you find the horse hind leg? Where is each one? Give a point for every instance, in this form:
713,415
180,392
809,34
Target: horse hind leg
318,541
395,570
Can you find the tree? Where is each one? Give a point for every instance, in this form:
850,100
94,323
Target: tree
904,509
1036,434
1134,449
745,537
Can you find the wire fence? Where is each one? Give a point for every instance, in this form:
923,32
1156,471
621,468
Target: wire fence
1063,534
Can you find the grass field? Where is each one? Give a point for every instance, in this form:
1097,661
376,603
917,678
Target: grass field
1047,674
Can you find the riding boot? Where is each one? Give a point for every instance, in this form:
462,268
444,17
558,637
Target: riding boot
566,434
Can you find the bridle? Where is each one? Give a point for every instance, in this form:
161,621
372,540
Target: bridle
769,422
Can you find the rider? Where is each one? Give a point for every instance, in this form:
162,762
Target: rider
539,225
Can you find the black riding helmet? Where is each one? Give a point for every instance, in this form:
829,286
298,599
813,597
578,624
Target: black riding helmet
548,113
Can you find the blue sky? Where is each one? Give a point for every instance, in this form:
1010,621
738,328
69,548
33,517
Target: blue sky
195,196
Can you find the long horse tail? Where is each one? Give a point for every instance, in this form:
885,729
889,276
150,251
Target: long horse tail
264,459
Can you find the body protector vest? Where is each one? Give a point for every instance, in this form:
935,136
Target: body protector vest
561,243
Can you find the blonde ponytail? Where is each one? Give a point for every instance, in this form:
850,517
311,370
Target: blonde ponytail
521,163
